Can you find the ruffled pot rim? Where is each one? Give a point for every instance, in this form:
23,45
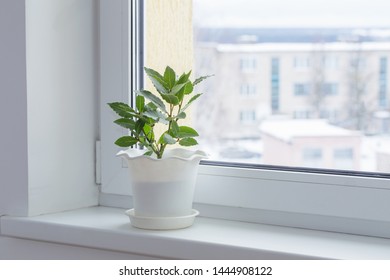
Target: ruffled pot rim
176,153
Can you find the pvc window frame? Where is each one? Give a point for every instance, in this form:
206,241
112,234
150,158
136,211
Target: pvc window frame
328,200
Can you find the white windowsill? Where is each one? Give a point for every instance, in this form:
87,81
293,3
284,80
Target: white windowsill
108,228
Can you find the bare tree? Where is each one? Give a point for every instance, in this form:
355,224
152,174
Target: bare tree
359,105
209,111
317,80
359,101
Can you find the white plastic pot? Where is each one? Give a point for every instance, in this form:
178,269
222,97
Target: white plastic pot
163,189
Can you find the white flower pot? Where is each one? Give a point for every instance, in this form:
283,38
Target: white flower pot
163,189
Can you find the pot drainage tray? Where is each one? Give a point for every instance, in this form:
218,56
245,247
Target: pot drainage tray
162,223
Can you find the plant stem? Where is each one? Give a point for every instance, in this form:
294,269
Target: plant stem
163,146
152,144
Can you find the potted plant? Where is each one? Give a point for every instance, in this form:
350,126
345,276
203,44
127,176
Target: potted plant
162,179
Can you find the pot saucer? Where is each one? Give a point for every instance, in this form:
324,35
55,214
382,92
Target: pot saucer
161,223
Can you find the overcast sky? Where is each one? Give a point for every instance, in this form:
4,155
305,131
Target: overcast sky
293,13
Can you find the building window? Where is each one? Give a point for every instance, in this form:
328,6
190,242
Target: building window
343,158
383,99
275,87
331,115
358,62
247,89
248,64
301,89
330,62
301,62
302,114
312,157
248,116
330,88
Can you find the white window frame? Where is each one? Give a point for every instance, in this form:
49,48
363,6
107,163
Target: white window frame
296,197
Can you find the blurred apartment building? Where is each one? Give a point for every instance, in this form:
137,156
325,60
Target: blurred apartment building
341,79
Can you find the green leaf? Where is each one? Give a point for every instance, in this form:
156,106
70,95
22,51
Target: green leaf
163,118
181,115
155,99
155,115
150,107
188,88
126,141
157,80
188,142
148,130
170,98
167,139
174,128
148,153
152,114
143,142
169,77
180,95
184,78
139,125
123,109
190,101
177,88
186,131
200,79
140,103
126,123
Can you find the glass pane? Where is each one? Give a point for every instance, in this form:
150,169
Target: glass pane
297,83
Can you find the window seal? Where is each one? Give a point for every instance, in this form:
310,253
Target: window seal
112,232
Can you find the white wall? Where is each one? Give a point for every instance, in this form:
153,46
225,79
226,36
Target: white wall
62,79
13,109
48,105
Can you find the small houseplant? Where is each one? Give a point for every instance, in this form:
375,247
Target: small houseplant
162,179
